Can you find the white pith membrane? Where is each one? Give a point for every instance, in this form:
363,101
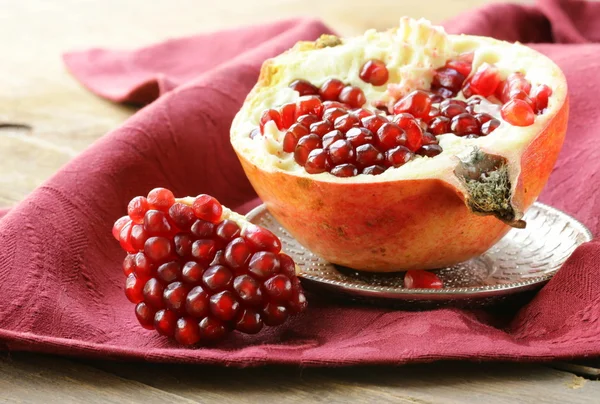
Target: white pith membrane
411,52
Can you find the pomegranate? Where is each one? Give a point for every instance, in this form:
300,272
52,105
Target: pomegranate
437,143
201,270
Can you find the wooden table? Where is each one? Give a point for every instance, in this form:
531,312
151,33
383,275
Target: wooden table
46,118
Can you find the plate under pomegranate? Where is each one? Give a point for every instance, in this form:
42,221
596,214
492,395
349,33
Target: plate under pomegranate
402,150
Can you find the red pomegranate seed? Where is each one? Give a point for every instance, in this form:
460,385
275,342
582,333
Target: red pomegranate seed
204,250
268,116
430,150
298,303
331,114
359,136
412,129
145,315
440,94
330,137
197,302
517,113
174,297
463,67
248,322
260,238
137,208
373,170
345,122
203,229
187,331
288,115
464,124
158,249
294,133
340,152
192,272
390,135
169,272
331,89
317,162
422,280
304,87
264,264
368,155
217,278
237,253
224,306
165,322
160,199
144,268
153,294
515,81
321,128
433,113
129,264
448,78
429,138
485,81
274,315
309,104
353,96
362,113
375,72
489,127
416,103
211,329
307,120
118,226
397,156
483,117
278,288
125,238
182,215
335,104
305,145
133,289
440,125
374,122
207,208
520,95
248,290
157,224
451,108
344,170
138,237
540,96
227,230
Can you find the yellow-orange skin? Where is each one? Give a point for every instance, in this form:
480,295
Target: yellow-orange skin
403,224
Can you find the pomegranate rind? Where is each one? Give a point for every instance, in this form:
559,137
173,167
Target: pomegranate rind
420,215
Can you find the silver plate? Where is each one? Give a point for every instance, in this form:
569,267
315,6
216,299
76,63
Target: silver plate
521,261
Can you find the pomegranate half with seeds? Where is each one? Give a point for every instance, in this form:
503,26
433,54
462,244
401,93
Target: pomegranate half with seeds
196,270
405,149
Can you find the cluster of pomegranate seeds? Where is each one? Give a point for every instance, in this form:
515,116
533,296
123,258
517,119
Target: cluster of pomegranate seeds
196,277
422,280
374,72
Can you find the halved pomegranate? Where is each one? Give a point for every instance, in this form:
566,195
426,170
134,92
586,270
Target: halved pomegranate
419,149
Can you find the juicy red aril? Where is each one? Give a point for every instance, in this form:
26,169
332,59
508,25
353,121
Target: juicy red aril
397,156
274,314
515,81
187,331
211,329
160,199
165,322
373,170
304,87
344,170
268,116
422,280
174,297
411,128
129,264
359,136
340,152
442,93
207,208
224,306
153,293
375,72
118,226
489,127
144,268
183,244
517,113
374,122
521,95
462,66
145,315
227,230
158,249
448,78
261,239
429,138
156,223
293,134
485,81
138,236
249,322
361,113
237,253
390,135
248,290
197,302
345,122
464,124
202,228
321,128
331,114
182,215
334,104
483,118
217,277
416,103
169,272
429,150
137,209
192,272
440,125
317,162
307,120
278,288
309,104
125,238
368,155
288,115
305,145
451,110
133,289
433,113
331,89
540,96
353,96
264,264
204,250
331,137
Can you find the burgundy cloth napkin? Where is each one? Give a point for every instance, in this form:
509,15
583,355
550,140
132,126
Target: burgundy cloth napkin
60,270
